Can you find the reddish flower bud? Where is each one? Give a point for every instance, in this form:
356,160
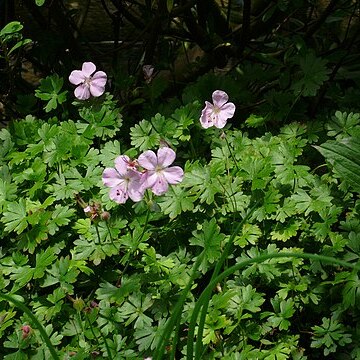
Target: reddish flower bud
26,331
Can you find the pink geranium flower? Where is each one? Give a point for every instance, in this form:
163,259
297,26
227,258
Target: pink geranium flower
89,82
157,173
124,181
216,114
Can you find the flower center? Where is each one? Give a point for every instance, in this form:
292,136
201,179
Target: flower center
87,81
216,110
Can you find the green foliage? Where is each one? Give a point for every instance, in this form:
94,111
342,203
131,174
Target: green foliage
343,155
109,281
11,39
330,334
50,91
312,75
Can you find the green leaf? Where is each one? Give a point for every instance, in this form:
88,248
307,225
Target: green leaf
313,74
176,201
118,294
19,44
49,90
143,136
22,276
10,28
43,260
60,217
15,217
210,239
344,156
134,308
8,192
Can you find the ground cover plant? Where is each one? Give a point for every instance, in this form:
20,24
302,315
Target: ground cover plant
220,222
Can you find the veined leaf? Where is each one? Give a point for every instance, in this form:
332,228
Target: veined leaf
344,156
15,218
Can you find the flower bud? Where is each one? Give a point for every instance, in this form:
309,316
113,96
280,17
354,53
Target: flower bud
26,331
78,304
105,215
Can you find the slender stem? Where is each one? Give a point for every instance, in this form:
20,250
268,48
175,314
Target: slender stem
97,232
159,351
37,323
231,153
111,238
218,266
138,241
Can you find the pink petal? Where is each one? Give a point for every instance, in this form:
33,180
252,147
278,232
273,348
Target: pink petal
173,175
118,194
166,156
88,68
82,92
133,175
161,185
226,112
99,79
111,177
96,90
121,164
149,179
205,118
136,191
219,98
148,160
220,121
77,77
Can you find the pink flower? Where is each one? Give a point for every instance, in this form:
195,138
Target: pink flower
124,181
157,173
216,114
89,82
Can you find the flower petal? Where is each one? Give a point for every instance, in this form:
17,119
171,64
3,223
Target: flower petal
96,90
148,179
161,185
148,160
205,118
111,177
88,68
136,191
77,77
99,78
82,92
173,174
219,98
166,156
226,112
118,194
121,164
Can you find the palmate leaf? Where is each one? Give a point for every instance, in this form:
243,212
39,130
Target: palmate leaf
344,156
176,201
49,90
210,239
314,74
15,217
143,136
111,293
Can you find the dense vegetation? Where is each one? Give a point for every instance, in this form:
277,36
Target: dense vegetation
183,187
